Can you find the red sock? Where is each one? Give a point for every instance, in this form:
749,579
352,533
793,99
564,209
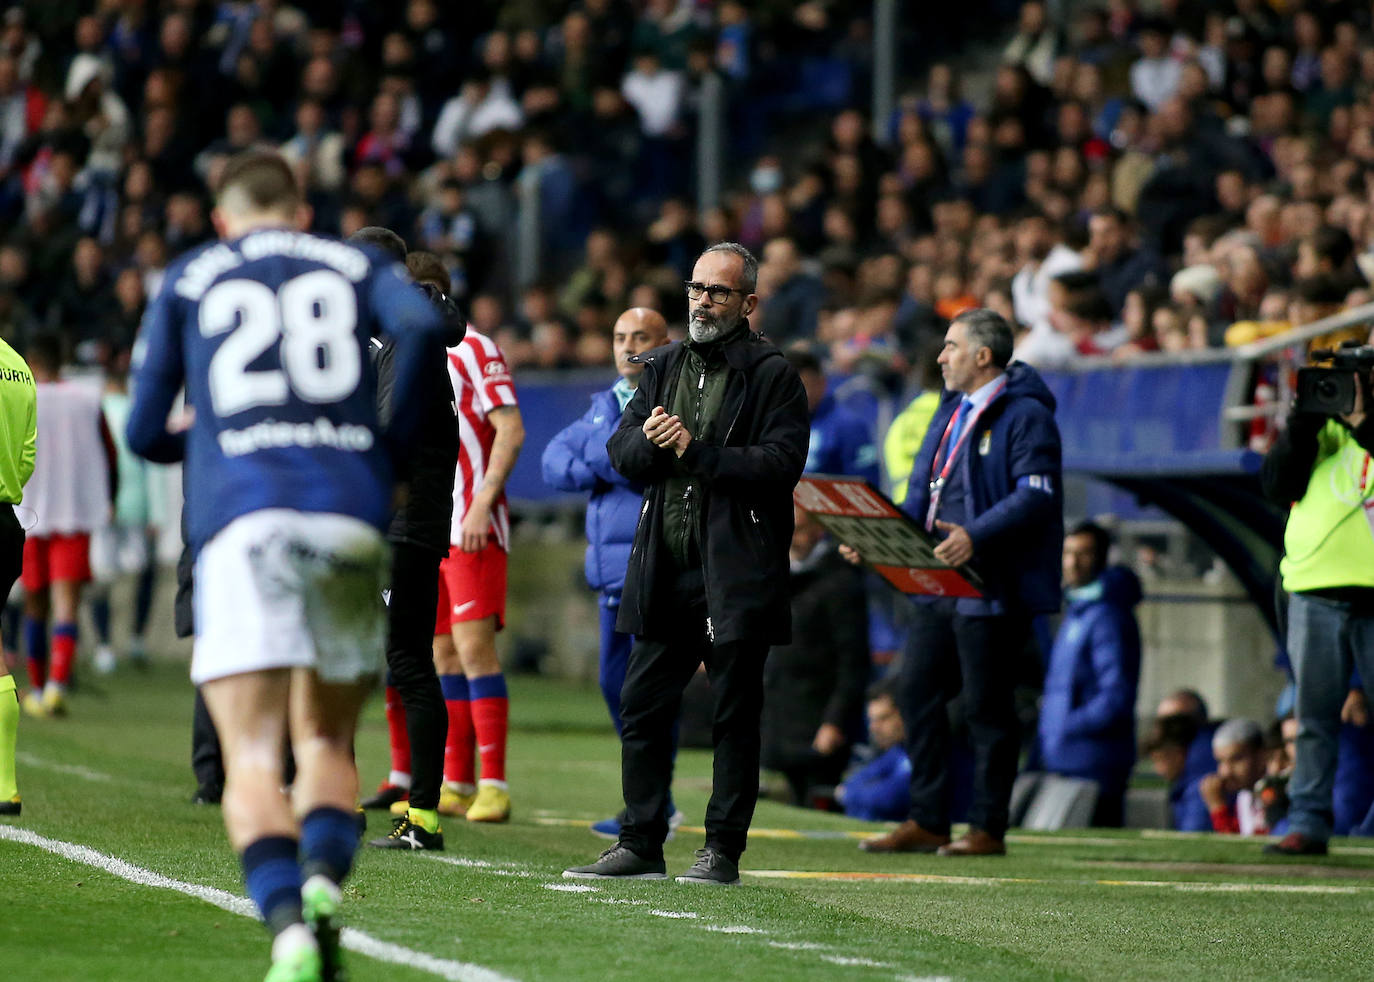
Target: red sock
490,718
63,653
396,726
459,766
38,672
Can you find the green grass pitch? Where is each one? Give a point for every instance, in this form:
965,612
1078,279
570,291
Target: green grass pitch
114,778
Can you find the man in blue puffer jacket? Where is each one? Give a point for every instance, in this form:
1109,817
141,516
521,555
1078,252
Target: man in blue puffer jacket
576,460
1087,717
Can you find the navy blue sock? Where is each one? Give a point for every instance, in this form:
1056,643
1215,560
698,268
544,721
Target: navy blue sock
100,613
329,837
272,874
36,639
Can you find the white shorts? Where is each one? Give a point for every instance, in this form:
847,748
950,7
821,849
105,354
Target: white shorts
285,589
117,549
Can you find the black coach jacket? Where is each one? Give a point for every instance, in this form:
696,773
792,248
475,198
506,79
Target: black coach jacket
426,518
746,479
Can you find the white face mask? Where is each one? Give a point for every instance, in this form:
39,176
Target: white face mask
765,180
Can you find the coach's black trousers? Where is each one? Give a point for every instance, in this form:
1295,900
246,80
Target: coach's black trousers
947,653
410,666
658,672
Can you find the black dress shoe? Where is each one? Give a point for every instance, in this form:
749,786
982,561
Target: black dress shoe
207,794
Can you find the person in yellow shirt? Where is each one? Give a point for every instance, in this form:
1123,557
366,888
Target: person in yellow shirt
908,429
18,450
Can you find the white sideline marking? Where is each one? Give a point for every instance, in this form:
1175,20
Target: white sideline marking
854,962
733,929
570,887
491,869
924,978
683,915
84,773
1185,886
352,938
799,945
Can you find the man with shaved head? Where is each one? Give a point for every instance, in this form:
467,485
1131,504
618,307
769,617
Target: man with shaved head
576,460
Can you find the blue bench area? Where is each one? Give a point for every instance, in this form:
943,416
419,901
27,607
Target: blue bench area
1155,432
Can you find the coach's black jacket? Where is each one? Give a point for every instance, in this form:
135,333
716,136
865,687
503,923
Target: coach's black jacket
746,481
426,518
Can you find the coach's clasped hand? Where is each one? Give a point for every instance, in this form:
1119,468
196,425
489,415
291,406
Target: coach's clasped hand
666,432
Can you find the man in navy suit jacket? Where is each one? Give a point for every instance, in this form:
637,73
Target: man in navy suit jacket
987,480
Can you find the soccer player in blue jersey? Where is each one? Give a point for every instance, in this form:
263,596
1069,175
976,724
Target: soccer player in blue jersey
289,483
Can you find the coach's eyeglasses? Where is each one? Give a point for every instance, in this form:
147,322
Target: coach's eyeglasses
717,293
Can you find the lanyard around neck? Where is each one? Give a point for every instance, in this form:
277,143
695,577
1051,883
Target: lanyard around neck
970,422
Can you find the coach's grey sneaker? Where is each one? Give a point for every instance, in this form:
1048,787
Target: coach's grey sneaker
712,868
619,863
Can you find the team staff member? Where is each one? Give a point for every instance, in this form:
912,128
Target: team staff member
18,448
717,432
576,460
987,480
419,539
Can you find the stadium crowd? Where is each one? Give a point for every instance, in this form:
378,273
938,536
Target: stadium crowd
1130,183
1194,177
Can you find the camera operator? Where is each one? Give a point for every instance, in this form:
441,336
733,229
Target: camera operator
1320,466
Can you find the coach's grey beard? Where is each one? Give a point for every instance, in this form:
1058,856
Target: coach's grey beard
705,328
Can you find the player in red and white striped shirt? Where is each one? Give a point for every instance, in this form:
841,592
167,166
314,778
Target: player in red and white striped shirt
472,582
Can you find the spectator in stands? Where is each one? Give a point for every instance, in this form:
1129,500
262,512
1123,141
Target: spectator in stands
315,151
880,790
1228,793
1189,703
1043,256
657,94
1168,746
792,304
1155,74
1119,262
1137,318
1036,44
576,460
841,440
1328,571
813,687
482,106
1087,715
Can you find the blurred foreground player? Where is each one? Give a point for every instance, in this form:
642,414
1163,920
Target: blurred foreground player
289,485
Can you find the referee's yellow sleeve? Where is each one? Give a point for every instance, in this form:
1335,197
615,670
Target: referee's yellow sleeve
18,425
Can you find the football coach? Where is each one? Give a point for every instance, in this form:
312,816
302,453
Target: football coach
717,432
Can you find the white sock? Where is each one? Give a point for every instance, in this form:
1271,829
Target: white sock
295,938
399,779
490,783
